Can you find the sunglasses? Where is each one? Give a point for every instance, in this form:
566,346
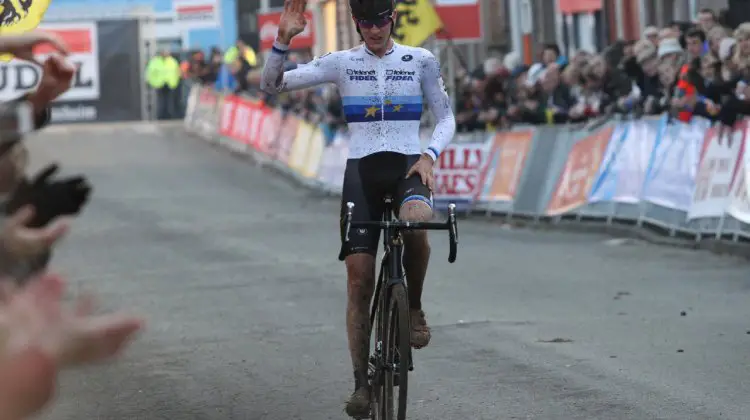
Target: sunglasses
369,24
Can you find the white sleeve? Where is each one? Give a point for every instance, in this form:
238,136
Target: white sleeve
440,105
274,79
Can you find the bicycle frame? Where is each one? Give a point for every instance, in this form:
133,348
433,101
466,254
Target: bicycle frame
392,282
391,270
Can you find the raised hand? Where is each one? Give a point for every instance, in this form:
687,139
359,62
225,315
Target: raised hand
292,21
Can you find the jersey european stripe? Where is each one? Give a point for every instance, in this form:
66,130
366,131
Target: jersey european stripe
382,97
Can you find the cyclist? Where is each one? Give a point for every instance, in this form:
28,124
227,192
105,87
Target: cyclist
382,85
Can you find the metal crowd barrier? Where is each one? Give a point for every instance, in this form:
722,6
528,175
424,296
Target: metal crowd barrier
685,180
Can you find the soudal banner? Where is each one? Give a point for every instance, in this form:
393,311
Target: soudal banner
107,85
269,28
18,77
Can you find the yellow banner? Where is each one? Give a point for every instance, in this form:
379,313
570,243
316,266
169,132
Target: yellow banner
299,147
19,16
416,20
314,154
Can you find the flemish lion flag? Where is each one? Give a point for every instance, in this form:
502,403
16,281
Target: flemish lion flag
19,16
416,21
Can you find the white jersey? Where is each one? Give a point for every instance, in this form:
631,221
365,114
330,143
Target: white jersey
382,97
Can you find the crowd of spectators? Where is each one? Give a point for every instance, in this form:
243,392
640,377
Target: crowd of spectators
683,69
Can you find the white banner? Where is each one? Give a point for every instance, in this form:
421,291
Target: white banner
191,14
626,162
717,171
739,206
670,179
18,77
333,162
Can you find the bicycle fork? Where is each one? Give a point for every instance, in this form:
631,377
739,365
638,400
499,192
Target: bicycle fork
376,362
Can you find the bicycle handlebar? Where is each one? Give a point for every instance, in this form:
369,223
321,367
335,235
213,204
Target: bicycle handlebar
450,225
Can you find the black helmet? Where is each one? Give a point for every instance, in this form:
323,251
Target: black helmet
371,9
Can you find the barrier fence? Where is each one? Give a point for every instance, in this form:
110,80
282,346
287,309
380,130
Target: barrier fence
689,180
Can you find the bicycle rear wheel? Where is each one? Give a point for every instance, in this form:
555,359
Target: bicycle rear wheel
397,354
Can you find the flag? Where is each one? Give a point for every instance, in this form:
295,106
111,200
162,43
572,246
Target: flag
416,20
19,16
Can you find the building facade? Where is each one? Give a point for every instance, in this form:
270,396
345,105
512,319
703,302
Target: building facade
179,24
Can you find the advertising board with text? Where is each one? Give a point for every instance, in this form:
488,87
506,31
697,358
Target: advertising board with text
19,76
579,173
194,14
106,85
458,173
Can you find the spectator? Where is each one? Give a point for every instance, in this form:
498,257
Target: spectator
695,39
242,60
715,36
707,19
163,75
651,34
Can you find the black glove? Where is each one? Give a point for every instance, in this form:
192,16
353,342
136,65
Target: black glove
49,198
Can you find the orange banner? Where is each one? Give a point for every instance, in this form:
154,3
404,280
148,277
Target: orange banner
508,157
580,170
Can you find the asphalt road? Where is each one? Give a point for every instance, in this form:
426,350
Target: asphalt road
237,274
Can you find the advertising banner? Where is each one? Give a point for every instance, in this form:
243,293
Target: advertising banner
300,146
269,132
579,173
719,164
507,159
739,205
623,171
314,154
286,138
107,84
458,173
333,162
18,76
192,14
670,179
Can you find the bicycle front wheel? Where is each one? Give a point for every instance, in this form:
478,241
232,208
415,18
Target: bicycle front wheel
397,349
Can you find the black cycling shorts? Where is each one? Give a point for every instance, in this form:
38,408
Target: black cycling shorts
366,182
